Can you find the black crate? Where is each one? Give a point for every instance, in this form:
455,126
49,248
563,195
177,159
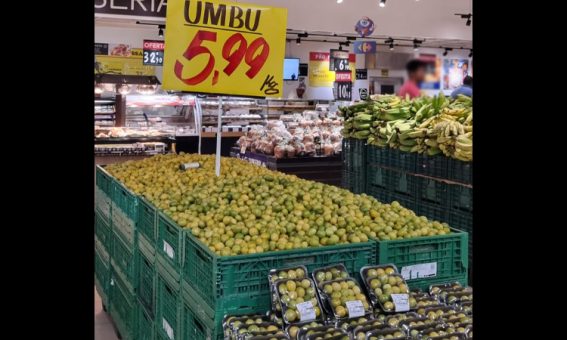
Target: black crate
403,161
381,194
378,156
433,212
433,192
460,171
354,181
378,177
406,201
433,166
460,197
403,183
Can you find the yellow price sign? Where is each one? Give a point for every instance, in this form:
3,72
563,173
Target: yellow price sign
224,48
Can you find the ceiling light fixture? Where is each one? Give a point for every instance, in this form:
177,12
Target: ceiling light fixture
416,44
382,3
390,41
466,16
447,51
339,1
298,41
470,54
160,32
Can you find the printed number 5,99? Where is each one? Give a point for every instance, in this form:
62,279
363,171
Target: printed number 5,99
234,50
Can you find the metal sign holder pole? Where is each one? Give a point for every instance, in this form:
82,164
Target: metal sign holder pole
219,133
198,120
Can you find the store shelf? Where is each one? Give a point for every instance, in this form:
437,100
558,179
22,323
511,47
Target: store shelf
224,134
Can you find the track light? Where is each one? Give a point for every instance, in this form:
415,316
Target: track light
447,51
470,54
382,3
469,21
466,16
160,32
298,41
416,44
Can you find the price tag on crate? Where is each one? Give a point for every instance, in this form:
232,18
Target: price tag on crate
355,308
306,311
418,271
167,328
168,249
401,302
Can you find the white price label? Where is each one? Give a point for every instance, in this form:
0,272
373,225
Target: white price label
306,311
355,308
168,250
419,271
401,302
167,328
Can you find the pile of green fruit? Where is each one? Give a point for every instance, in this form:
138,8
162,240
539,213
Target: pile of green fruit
429,125
250,209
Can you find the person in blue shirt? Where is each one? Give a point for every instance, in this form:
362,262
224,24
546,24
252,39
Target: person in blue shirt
465,89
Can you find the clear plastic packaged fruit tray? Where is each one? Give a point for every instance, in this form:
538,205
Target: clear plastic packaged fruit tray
388,333
387,288
359,332
293,330
345,299
325,332
299,300
329,273
297,272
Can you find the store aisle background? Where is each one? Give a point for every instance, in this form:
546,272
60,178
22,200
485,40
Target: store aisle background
103,326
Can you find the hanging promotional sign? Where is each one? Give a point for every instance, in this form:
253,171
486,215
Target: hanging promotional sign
319,74
136,8
364,27
364,47
361,74
363,93
343,85
224,47
153,52
338,60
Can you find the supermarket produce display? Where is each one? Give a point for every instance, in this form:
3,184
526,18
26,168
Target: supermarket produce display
431,125
179,250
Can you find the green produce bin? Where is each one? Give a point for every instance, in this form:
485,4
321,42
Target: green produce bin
103,180
230,283
146,282
147,224
169,248
103,205
198,325
146,326
102,276
124,212
103,232
448,253
123,308
168,314
124,261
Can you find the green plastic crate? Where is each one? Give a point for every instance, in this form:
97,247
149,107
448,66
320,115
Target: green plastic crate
124,212
146,282
239,282
123,259
402,161
168,312
460,171
432,191
403,183
123,308
448,252
424,284
145,247
103,232
103,204
147,221
170,244
146,327
103,180
197,324
102,276
460,197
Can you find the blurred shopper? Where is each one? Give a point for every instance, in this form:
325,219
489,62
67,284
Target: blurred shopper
465,89
416,75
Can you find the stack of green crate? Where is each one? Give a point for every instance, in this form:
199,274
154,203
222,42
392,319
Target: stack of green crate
354,163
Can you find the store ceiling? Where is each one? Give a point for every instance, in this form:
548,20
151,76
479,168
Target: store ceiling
432,20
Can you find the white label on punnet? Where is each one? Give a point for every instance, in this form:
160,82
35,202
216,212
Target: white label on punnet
419,271
168,249
355,308
306,311
401,302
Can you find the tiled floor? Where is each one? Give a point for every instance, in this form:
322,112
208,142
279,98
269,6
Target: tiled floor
103,326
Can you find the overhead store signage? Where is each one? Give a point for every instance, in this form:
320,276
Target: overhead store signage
363,93
364,47
361,74
338,60
138,8
364,27
100,49
223,47
153,52
343,91
319,74
122,60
